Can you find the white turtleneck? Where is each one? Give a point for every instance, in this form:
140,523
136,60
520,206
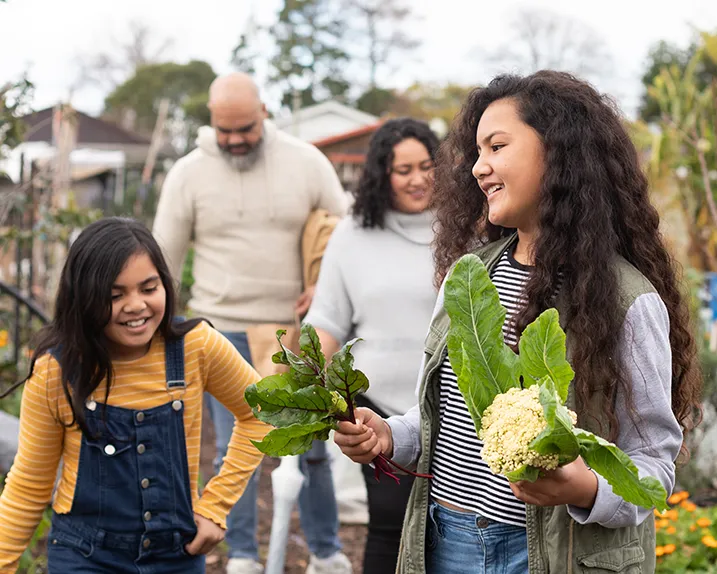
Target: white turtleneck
377,284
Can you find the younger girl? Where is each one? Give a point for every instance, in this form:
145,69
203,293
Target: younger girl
540,179
115,392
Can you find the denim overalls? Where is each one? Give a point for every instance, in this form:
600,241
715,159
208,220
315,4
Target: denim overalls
132,509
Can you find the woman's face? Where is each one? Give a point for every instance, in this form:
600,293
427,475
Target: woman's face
411,174
510,166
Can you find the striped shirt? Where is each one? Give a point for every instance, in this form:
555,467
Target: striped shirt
211,363
460,475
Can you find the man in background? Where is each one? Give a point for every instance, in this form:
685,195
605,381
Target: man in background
243,197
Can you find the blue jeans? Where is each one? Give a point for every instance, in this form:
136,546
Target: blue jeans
470,544
317,501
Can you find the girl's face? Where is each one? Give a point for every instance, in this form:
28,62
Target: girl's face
510,167
138,302
411,179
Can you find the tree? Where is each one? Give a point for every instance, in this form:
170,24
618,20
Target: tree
185,85
425,101
14,103
108,69
378,28
682,145
666,55
309,58
541,40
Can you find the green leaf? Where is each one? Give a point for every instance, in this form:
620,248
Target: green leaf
558,437
484,365
341,375
278,400
294,439
542,352
525,472
620,472
311,346
302,369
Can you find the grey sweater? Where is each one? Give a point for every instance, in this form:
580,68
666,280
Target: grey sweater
377,284
647,359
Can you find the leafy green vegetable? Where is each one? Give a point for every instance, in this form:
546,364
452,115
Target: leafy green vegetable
475,341
308,401
486,367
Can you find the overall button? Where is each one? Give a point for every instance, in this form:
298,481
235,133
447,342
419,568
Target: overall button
91,405
110,450
177,405
140,417
141,448
145,483
146,542
482,523
148,516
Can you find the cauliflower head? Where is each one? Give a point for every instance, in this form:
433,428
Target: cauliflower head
509,425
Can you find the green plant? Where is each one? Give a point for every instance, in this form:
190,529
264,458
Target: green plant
686,537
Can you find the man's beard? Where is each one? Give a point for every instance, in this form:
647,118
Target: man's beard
246,161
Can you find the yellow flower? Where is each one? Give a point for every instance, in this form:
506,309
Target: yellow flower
678,497
709,541
659,550
671,530
3,338
669,549
704,522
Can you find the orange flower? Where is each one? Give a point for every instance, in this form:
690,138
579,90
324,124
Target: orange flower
669,549
659,550
709,541
672,514
688,506
664,523
693,528
704,522
678,497
671,530
4,337
657,513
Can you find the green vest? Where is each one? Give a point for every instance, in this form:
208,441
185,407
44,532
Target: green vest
556,543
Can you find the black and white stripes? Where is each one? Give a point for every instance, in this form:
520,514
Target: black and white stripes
460,475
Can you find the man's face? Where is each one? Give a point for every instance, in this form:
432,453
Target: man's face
240,132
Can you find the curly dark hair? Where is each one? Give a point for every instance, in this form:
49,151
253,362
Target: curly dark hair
594,204
373,192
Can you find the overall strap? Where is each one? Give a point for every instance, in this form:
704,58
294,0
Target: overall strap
174,361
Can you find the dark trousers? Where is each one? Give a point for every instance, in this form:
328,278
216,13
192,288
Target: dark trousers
387,503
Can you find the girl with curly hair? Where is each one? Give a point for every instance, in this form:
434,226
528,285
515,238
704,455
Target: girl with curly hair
540,179
376,283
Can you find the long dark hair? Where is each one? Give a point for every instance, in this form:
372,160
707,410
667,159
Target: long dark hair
594,204
84,307
373,192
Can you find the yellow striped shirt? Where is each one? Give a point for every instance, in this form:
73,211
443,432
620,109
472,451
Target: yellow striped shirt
211,363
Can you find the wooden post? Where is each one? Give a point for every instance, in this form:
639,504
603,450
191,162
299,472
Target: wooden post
152,153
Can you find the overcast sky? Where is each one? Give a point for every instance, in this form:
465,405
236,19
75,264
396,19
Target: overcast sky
46,36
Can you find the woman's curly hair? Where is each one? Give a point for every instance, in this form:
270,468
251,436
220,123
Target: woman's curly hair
373,194
594,204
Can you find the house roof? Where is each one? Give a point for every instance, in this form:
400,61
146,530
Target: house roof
90,130
348,135
324,108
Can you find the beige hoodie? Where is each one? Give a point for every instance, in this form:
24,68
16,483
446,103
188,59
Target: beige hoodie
246,225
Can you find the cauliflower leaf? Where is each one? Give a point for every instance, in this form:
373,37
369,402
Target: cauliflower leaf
542,353
483,364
